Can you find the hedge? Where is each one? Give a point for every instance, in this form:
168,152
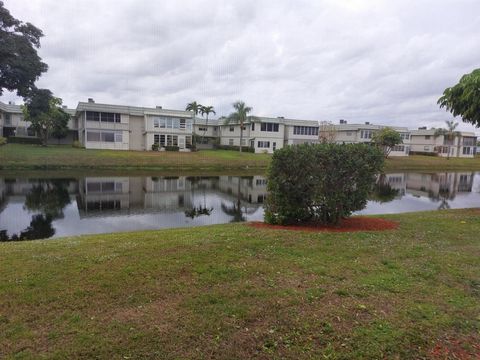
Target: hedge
320,183
236,148
3,140
24,140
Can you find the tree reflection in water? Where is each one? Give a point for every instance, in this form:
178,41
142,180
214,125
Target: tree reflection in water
383,192
235,210
49,198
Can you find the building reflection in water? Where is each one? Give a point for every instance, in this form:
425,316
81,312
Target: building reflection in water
39,208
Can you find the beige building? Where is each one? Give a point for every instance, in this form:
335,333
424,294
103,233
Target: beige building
424,141
265,135
119,127
345,133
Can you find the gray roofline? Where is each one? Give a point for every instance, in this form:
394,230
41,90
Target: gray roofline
130,110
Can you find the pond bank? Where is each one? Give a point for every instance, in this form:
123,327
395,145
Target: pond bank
19,157
233,291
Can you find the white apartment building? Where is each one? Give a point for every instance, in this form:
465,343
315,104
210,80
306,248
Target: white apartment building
265,134
119,127
345,133
207,133
424,141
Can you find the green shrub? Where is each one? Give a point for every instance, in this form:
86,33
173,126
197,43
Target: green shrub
77,144
172,148
320,183
155,147
24,140
3,141
235,148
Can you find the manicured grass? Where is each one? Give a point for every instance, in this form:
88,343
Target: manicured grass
32,157
55,157
236,292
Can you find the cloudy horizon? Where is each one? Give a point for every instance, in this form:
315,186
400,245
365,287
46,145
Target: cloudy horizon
385,62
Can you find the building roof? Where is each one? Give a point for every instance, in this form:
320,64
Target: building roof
10,108
279,120
355,127
130,110
212,122
431,132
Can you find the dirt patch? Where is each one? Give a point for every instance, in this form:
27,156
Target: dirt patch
357,223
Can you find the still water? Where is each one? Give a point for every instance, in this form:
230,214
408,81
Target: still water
42,208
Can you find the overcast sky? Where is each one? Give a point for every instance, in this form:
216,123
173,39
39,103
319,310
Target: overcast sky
360,60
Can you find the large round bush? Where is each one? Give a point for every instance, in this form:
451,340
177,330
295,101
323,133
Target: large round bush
320,183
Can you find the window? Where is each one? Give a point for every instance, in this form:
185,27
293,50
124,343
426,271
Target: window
263,144
202,129
8,119
405,136
398,148
182,124
232,128
244,142
366,134
305,130
270,127
156,139
93,136
102,116
427,137
93,116
108,136
349,133
426,148
261,182
118,137
156,122
466,150
230,142
253,126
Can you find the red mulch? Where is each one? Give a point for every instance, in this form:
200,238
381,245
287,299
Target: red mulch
357,223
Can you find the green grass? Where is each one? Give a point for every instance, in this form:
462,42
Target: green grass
57,157
236,292
19,157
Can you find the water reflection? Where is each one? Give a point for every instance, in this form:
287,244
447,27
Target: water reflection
42,208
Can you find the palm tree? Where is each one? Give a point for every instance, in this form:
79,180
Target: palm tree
449,134
206,110
195,108
240,116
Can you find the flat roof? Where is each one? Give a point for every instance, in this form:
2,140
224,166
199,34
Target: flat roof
130,110
354,127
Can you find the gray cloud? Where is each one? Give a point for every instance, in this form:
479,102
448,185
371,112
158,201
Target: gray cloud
384,61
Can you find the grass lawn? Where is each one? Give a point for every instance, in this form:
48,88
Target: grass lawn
236,292
57,157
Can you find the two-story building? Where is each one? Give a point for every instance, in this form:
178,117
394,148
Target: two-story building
12,124
345,133
427,141
267,134
120,127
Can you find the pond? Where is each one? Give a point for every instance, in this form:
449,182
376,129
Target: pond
32,208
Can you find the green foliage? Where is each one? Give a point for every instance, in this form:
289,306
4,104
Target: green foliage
172,148
236,148
77,144
449,134
20,65
386,139
46,115
3,140
320,183
240,116
24,140
463,99
383,191
155,147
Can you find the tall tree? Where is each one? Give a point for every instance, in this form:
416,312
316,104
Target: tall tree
449,134
463,99
45,113
240,116
206,110
195,108
20,65
386,139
